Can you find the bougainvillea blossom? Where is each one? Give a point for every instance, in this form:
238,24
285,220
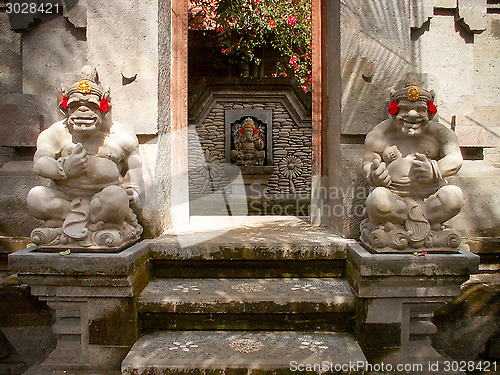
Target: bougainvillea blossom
292,20
432,107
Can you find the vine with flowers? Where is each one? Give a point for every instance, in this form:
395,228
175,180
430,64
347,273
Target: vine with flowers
245,27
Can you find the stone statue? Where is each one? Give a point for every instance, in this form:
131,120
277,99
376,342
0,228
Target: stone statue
406,160
248,143
96,174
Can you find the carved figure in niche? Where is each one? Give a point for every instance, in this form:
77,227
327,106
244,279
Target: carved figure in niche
406,160
96,174
248,143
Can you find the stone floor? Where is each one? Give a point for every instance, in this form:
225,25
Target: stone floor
282,237
174,352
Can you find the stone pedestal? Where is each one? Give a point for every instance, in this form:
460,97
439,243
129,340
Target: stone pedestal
93,296
396,296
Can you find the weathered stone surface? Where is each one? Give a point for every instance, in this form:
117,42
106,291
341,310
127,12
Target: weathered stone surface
20,120
467,323
399,294
93,299
16,179
246,296
408,265
10,49
135,103
58,68
31,261
247,304
481,213
271,238
165,353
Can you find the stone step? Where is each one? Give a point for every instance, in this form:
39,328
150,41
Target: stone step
233,352
246,304
248,246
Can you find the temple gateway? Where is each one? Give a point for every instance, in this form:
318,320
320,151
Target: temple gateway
246,187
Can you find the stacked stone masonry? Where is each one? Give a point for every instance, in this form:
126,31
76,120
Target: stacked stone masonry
288,141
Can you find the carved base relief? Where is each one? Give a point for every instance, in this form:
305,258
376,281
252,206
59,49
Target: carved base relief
400,238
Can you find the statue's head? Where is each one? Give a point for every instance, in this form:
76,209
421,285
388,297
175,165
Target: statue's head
85,103
412,106
248,128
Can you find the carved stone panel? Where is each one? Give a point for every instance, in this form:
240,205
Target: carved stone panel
261,123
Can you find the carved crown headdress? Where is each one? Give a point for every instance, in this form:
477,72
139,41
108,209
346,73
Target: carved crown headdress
411,87
87,84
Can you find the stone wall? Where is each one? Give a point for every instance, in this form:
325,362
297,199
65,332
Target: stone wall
288,139
454,41
291,133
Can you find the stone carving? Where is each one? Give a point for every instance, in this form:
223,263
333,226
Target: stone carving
406,160
96,174
248,143
290,167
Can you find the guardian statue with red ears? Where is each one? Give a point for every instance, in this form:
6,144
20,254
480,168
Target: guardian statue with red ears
96,172
406,161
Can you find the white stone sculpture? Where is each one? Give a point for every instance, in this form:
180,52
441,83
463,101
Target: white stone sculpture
406,160
96,174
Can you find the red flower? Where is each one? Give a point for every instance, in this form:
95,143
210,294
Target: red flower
272,24
255,131
304,87
292,20
242,130
64,102
255,1
432,107
393,108
293,61
104,105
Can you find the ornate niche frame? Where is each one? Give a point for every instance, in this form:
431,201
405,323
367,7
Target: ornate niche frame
263,116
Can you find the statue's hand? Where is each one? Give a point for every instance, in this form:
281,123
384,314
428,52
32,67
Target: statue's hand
133,197
378,175
75,164
422,168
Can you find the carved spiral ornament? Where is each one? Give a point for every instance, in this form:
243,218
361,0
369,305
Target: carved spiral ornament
40,236
108,238
453,240
399,240
378,238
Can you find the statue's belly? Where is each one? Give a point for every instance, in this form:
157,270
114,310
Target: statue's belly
101,172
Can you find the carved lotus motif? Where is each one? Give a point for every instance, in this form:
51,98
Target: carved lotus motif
291,167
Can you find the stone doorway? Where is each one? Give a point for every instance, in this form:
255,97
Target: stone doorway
325,129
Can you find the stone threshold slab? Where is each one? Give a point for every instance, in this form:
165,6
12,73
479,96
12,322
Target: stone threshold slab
171,352
248,238
246,295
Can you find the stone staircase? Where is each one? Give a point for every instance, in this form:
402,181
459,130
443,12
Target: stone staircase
253,298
